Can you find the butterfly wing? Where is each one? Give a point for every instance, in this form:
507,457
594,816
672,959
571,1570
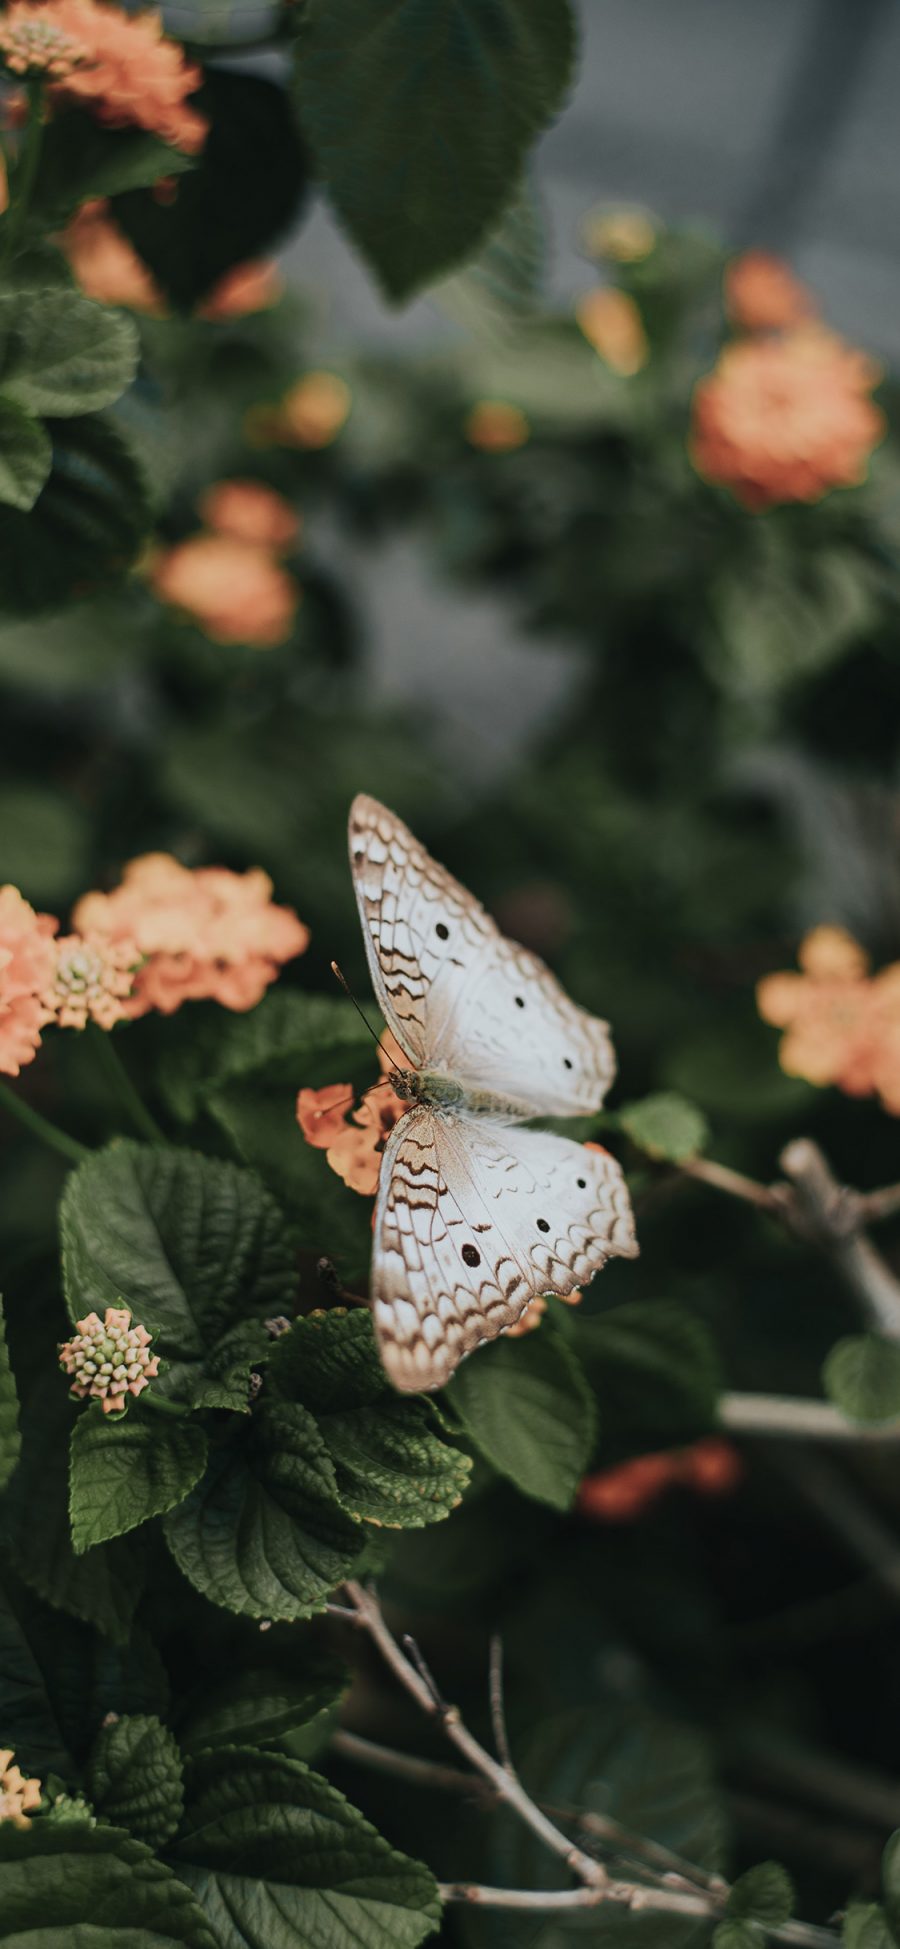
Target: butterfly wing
473,1221
460,999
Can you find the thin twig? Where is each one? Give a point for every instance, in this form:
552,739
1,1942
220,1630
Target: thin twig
793,1416
669,1896
408,1766
505,1784
498,1711
875,1205
40,1126
768,1197
832,1216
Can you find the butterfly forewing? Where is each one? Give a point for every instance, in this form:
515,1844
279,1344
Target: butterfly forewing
460,999
473,1221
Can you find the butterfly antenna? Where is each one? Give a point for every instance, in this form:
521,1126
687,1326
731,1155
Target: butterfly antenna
362,1015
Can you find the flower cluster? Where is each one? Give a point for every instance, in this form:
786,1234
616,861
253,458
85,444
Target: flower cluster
27,969
106,265
612,324
117,65
92,980
353,1139
228,579
842,1024
711,1467
200,933
310,415
18,1797
108,1359
787,413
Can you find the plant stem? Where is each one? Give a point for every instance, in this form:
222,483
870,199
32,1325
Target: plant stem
27,167
132,1103
670,1894
808,1420
734,1183
42,1127
833,1217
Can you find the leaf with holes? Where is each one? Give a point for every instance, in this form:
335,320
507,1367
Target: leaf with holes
280,1860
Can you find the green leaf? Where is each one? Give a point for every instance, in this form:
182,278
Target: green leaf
190,1244
257,1708
763,1894
55,1879
290,1040
134,1778
62,354
29,1722
101,1587
81,159
44,841
10,1439
391,1465
785,614
866,1927
86,525
500,286
124,1470
77,650
862,1377
654,1370
527,1406
26,456
263,1534
890,1875
665,1126
280,1860
245,191
86,1677
421,117
738,1935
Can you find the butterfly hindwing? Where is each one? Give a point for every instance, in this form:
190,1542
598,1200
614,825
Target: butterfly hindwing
473,1221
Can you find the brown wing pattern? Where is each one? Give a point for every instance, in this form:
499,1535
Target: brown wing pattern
460,999
472,1222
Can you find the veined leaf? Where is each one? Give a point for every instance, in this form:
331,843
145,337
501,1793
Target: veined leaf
123,1470
26,456
134,1778
86,525
62,354
58,1878
527,1406
256,1708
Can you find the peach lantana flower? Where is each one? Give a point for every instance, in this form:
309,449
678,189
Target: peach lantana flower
247,510
18,1797
711,1466
234,591
106,265
109,1359
246,288
612,324
310,415
496,426
34,41
786,418
27,962
204,933
354,1139
121,67
842,1025
763,295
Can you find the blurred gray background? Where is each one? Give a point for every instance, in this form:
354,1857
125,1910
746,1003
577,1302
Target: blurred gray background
771,122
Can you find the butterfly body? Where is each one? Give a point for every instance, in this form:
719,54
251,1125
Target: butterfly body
475,1216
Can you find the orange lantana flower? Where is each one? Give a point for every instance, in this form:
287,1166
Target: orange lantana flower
786,418
711,1466
117,65
203,932
763,295
106,265
496,426
19,1797
27,961
612,324
842,1025
310,415
246,288
354,1139
247,510
235,591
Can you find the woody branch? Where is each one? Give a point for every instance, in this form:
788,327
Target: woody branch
675,1890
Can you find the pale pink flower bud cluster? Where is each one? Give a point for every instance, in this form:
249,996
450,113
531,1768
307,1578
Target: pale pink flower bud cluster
108,1359
18,1797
